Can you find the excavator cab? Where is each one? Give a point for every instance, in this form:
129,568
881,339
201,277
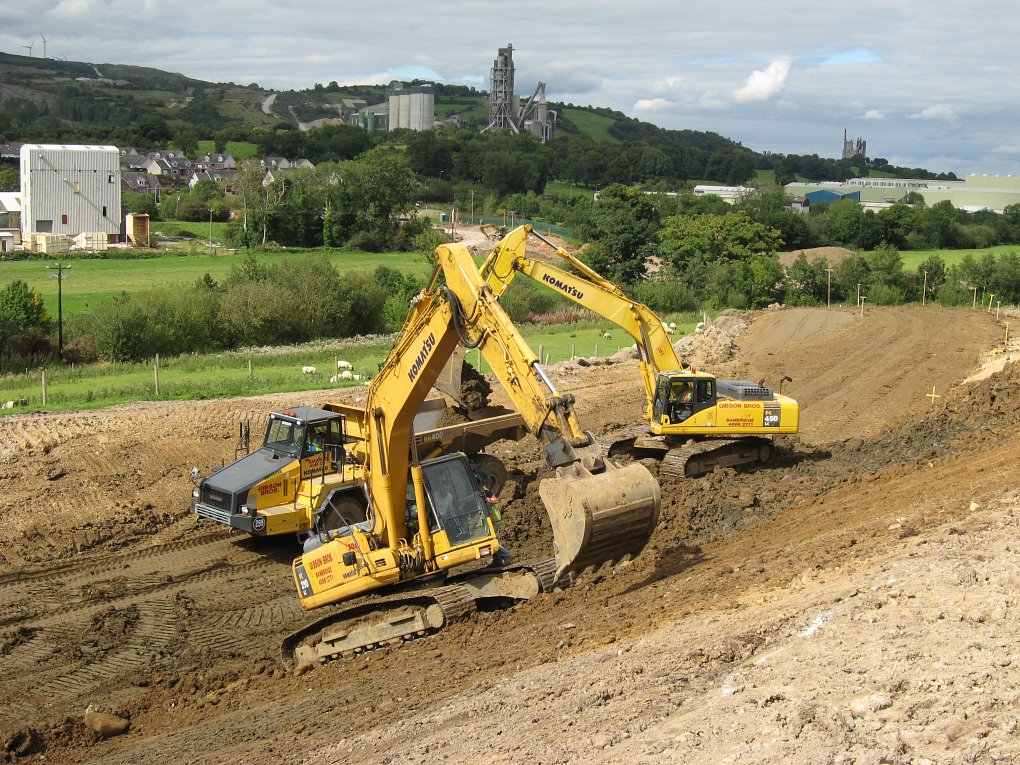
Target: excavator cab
681,395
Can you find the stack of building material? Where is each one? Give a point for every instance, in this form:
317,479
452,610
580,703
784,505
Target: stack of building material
93,241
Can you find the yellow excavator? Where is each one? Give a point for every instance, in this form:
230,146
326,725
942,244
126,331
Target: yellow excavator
693,421
416,548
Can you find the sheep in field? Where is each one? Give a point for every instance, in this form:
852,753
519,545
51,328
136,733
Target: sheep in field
308,370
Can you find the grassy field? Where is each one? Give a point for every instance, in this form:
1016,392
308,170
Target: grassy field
590,124
566,190
271,370
912,259
237,149
89,282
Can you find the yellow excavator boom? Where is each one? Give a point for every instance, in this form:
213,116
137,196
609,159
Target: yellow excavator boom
592,291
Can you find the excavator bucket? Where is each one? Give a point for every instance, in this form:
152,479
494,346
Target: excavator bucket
599,517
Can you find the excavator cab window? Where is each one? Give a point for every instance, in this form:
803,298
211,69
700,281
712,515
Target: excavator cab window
679,397
681,400
706,392
457,504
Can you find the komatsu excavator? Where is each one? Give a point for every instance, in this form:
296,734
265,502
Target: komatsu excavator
416,557
694,422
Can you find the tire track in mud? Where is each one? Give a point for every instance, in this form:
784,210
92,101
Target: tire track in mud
95,565
51,647
278,612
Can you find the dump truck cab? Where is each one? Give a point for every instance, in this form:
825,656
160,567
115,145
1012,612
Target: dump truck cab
274,489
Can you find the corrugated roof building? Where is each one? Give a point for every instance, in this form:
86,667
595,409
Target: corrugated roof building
69,190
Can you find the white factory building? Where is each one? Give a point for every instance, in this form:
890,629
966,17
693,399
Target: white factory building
71,190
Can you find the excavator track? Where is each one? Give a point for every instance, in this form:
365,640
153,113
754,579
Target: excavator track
697,456
622,442
380,622
700,457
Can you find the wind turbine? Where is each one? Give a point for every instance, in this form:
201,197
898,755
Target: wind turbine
43,45
29,48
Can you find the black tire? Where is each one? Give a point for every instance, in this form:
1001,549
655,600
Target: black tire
341,511
491,472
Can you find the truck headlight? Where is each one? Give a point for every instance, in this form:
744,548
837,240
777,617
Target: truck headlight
195,493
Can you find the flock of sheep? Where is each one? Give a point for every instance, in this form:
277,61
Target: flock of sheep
344,372
670,328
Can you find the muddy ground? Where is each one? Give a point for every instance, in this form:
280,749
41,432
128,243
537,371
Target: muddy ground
855,602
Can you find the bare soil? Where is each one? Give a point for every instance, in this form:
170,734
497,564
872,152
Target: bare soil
853,602
831,255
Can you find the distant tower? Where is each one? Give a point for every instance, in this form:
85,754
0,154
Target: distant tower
501,91
852,148
505,110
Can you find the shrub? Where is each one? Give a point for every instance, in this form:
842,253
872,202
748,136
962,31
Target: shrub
883,294
81,350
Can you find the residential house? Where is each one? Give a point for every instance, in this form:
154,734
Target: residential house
226,178
131,158
274,163
143,183
10,150
10,220
215,161
170,164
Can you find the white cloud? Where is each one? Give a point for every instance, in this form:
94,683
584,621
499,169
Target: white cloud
765,83
936,112
873,114
652,105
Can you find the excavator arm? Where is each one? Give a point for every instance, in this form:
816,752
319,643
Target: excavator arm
589,290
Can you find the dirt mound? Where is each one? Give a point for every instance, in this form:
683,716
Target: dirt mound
854,602
831,255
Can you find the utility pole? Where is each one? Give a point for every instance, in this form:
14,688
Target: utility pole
210,227
59,268
924,289
472,207
828,289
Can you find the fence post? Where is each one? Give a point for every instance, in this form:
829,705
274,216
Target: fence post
249,369
155,371
44,387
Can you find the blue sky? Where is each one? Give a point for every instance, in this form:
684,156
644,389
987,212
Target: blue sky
926,84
